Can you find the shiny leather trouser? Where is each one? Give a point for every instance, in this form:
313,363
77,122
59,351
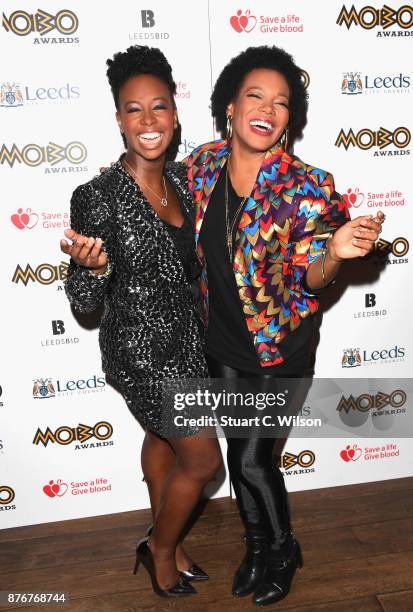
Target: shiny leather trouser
258,483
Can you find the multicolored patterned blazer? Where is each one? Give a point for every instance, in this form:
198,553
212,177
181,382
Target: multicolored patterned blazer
284,226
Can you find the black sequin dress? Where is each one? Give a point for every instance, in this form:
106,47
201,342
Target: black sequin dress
150,330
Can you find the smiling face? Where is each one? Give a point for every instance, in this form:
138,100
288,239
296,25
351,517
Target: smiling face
147,117
260,110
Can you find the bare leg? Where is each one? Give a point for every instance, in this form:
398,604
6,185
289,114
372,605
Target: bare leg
197,460
158,459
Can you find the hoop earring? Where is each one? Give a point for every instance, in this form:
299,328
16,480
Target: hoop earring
284,140
229,126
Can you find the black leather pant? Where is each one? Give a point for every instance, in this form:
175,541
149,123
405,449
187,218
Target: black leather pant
258,483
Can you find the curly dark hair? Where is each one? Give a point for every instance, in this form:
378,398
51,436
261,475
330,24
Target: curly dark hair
138,60
232,77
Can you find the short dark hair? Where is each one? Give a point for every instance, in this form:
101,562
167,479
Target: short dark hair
138,60
233,75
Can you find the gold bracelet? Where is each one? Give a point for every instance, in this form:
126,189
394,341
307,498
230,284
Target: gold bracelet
323,257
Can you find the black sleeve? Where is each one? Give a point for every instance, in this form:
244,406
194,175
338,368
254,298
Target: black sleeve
91,216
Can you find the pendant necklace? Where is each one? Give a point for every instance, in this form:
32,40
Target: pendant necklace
163,200
230,227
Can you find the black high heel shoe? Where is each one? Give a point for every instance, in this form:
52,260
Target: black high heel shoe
194,573
144,556
253,565
276,583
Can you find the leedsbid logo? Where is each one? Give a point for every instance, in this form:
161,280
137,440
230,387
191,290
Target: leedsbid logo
65,435
370,17
366,139
22,23
33,154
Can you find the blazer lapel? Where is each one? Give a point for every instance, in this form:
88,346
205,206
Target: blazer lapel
206,175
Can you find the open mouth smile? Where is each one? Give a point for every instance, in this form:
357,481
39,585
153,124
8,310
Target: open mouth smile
150,137
260,126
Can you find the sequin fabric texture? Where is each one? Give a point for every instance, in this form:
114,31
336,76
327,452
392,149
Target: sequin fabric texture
285,223
149,331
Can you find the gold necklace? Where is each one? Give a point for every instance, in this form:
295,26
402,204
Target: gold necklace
163,201
230,227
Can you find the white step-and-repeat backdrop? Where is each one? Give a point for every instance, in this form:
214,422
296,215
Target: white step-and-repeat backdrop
68,445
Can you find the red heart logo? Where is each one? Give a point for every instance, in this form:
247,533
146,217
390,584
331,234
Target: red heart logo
48,490
234,21
343,455
243,21
17,221
353,198
55,488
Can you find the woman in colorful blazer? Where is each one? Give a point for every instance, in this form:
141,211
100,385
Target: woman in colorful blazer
271,232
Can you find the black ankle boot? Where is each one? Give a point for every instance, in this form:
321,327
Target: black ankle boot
253,565
279,574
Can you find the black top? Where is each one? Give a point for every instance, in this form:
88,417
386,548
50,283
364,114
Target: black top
183,238
228,339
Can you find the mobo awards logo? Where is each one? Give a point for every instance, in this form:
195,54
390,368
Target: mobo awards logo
7,496
367,402
388,252
44,273
370,17
294,464
34,155
366,139
22,23
65,434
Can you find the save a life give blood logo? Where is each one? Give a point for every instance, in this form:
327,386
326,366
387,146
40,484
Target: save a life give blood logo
24,219
84,487
243,22
353,198
55,489
351,453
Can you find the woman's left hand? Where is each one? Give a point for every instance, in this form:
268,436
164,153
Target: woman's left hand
356,238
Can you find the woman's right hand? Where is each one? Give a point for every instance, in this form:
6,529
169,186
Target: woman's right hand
85,251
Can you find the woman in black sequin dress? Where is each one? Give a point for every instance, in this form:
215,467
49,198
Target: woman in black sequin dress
132,248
